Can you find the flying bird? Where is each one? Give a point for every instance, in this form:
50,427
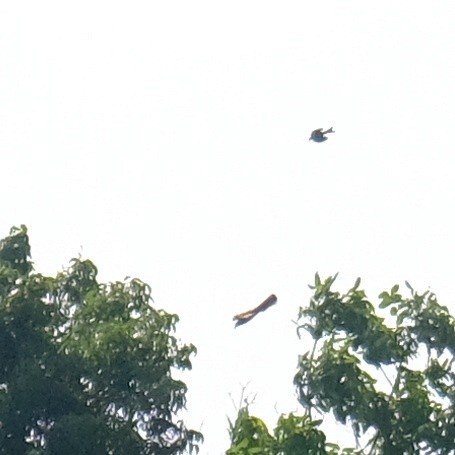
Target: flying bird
243,318
318,135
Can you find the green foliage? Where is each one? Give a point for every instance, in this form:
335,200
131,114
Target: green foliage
416,413
85,367
293,435
250,436
394,383
298,435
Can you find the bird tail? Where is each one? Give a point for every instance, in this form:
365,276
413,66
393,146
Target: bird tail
329,131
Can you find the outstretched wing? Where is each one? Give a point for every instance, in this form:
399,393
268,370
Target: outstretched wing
243,318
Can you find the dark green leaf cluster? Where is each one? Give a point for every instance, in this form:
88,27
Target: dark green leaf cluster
249,435
334,380
352,315
85,367
416,414
427,321
293,435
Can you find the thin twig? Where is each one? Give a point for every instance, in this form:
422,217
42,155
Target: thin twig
383,372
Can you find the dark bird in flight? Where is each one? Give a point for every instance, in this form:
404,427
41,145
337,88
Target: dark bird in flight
318,135
243,318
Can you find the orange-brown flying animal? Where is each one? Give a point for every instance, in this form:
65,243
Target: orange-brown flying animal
243,318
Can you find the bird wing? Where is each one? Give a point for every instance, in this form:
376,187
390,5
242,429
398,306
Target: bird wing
316,134
243,318
267,303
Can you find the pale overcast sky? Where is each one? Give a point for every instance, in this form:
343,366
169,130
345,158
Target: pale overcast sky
169,141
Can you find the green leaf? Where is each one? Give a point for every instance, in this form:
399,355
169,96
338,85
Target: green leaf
357,283
87,364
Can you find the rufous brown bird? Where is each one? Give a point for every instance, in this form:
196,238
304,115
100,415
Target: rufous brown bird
243,318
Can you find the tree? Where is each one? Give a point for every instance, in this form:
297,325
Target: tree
86,367
393,383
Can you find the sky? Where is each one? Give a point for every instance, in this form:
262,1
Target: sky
169,141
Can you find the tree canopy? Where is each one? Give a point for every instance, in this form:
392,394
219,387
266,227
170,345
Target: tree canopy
86,367
393,383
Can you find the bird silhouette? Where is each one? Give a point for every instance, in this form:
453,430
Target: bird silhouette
318,135
243,318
